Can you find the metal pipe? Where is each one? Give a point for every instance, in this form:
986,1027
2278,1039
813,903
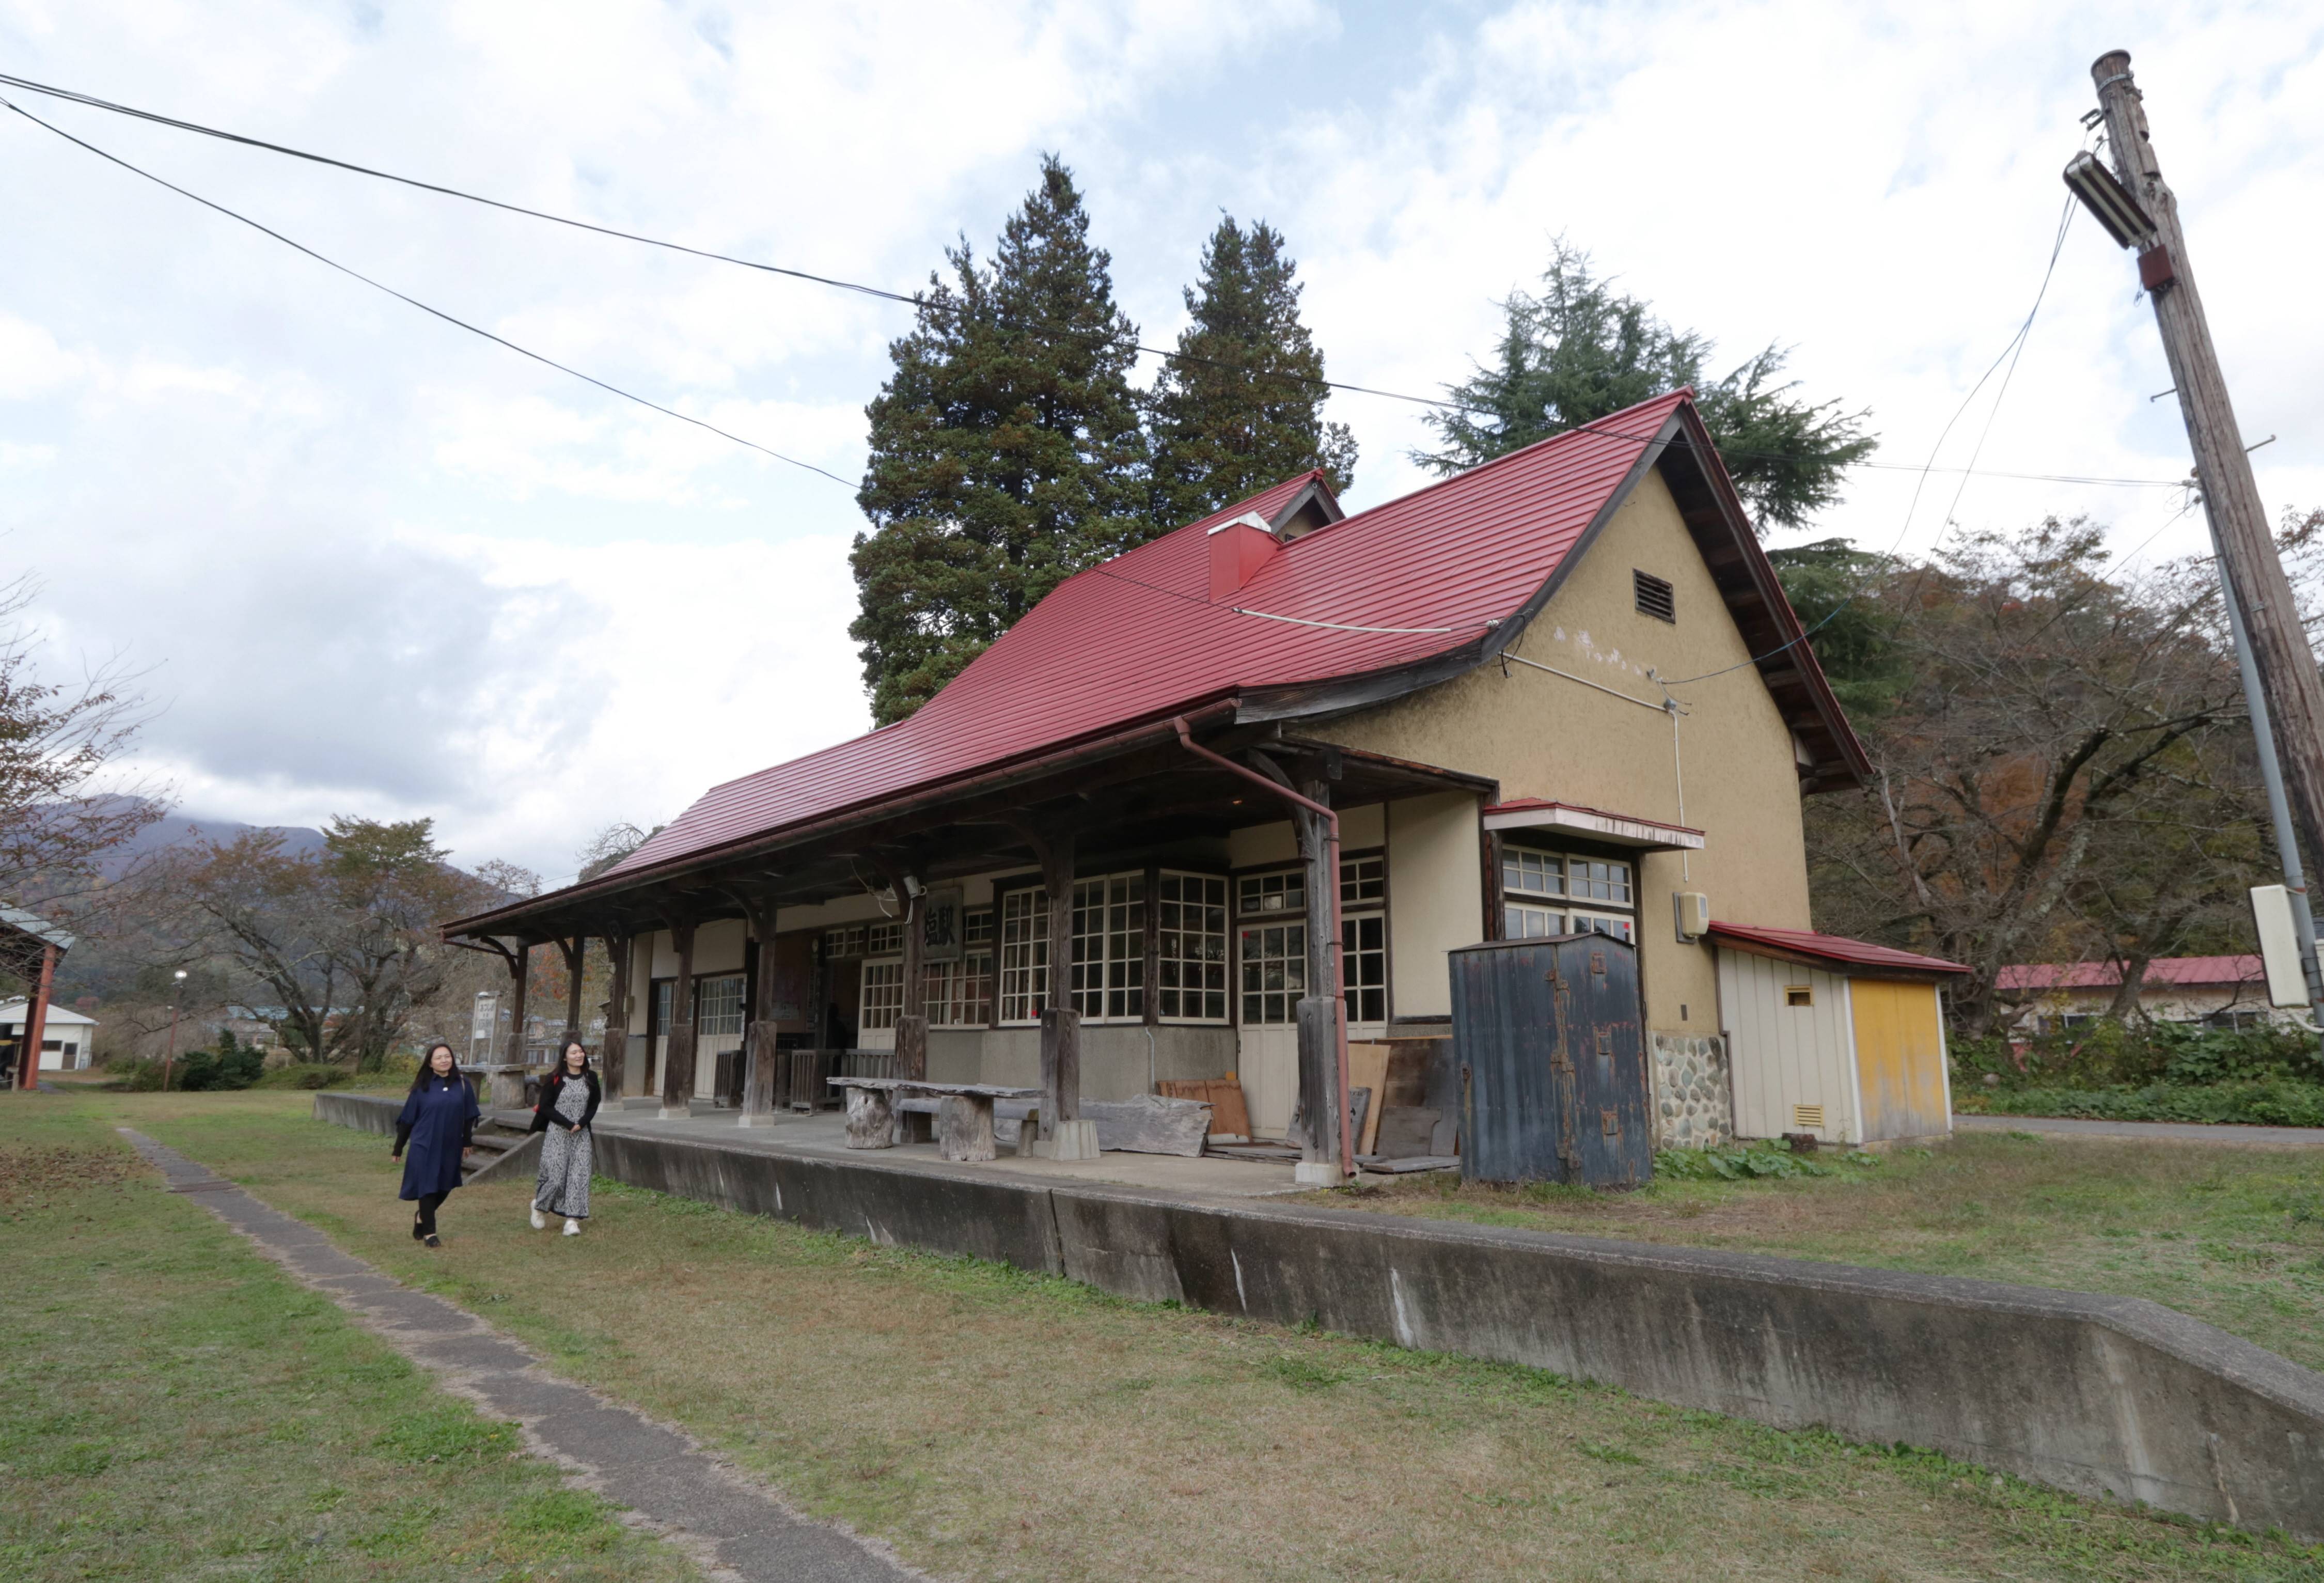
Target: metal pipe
1339,965
2279,808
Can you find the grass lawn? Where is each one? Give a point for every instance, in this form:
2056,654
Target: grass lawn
173,1406
2233,1236
993,1424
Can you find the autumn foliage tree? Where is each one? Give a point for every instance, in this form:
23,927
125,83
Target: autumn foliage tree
2062,765
338,947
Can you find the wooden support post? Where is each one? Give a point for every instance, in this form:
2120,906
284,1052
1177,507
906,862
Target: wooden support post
760,1055
508,1084
911,1018
1319,1034
575,953
36,1019
613,1058
1061,1030
677,1043
912,1022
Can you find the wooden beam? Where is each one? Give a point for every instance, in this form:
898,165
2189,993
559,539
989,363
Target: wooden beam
508,1086
677,1043
575,953
1061,1045
613,1055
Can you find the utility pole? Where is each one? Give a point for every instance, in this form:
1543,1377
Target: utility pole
2279,669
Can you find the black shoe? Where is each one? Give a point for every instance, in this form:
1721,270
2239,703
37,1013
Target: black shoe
430,1241
416,1232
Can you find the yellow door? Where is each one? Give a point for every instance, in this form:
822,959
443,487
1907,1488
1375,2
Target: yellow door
1900,1059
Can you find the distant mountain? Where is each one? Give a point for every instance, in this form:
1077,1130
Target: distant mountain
182,829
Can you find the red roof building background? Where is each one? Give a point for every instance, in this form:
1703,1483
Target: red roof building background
1139,637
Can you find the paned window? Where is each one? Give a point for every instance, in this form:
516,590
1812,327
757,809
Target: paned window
1601,885
1109,947
977,927
1597,880
1258,896
1531,923
1024,955
1362,881
662,991
883,993
883,939
1274,971
1617,924
1531,873
960,993
1192,921
846,942
718,1007
1363,965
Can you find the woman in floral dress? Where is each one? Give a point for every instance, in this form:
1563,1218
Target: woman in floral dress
568,1103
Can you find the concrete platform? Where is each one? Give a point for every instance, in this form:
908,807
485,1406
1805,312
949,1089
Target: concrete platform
1204,1176
2115,1397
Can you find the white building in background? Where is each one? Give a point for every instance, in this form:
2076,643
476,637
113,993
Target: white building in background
68,1041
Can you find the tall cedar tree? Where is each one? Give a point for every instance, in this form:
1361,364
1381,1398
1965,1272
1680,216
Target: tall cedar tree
1581,350
1006,450
1243,405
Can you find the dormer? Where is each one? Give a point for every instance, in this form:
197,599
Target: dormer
1314,506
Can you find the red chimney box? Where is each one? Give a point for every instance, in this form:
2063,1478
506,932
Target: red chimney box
1238,550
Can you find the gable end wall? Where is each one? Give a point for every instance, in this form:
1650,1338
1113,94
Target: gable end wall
1544,736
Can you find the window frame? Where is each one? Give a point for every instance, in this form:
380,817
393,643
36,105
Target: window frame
1035,897
1571,910
1180,961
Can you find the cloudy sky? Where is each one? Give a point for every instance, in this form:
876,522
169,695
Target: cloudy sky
369,564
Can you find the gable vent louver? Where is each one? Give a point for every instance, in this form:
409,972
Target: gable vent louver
1655,596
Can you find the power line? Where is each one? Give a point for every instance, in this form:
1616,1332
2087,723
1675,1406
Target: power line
924,304
2011,351
422,306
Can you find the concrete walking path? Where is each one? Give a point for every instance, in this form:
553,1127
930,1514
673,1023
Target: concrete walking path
2272,1138
730,1524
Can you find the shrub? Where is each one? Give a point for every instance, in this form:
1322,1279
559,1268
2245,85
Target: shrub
2113,1054
1764,1159
2276,1102
232,1065
306,1074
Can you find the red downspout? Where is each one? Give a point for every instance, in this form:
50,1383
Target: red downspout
1330,869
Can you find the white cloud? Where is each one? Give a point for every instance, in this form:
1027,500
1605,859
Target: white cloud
378,565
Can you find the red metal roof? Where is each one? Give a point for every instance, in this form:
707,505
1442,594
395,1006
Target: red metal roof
2108,975
1835,949
1139,637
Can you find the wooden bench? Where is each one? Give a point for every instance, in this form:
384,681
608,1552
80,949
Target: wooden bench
963,1115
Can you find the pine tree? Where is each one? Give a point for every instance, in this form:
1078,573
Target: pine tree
1581,350
1242,406
1005,449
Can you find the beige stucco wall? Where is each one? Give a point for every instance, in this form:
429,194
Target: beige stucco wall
1254,846
1545,736
1435,881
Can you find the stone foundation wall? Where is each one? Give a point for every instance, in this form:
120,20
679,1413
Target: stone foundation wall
1694,1107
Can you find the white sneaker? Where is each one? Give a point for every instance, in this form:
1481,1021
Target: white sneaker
573,1228
538,1223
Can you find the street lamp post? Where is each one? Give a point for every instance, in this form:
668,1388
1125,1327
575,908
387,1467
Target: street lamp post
177,1000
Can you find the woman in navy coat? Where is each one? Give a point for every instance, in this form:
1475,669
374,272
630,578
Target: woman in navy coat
439,1116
